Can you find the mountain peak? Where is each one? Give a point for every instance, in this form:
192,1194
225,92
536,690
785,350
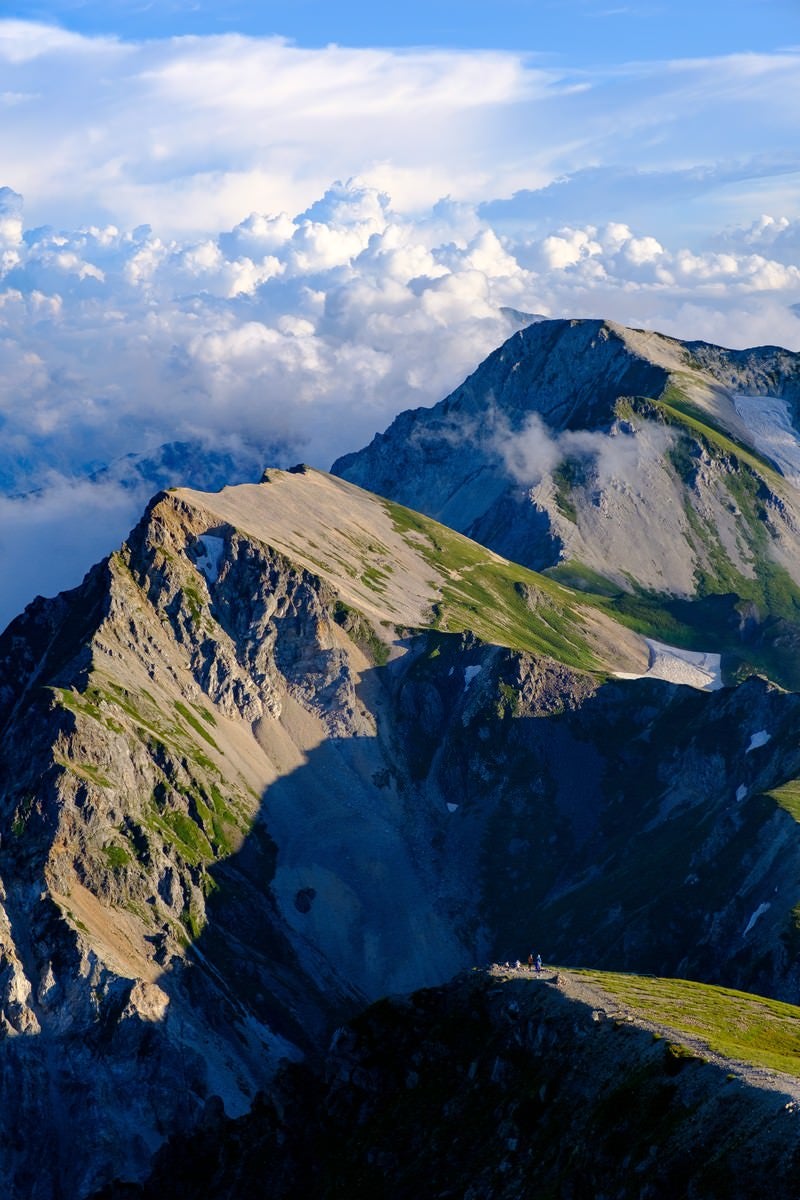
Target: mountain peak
623,461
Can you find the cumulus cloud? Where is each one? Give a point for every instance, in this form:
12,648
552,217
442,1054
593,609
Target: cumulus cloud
776,239
615,259
195,131
189,133
299,336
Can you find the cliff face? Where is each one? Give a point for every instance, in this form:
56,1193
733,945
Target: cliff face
130,774
257,771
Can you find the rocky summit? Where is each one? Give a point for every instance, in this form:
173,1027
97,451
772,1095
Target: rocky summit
296,748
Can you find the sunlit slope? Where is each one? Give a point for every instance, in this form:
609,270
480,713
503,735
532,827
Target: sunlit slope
735,522
402,570
734,1025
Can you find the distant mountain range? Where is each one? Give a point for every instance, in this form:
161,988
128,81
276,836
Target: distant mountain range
303,743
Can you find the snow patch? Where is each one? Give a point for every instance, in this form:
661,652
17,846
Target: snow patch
741,792
762,908
214,548
694,668
769,423
758,739
452,807
469,675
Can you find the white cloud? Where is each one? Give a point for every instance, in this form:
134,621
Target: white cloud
534,451
568,247
776,238
314,330
642,250
529,454
23,42
189,133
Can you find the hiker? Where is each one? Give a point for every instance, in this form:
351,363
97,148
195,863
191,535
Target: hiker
538,964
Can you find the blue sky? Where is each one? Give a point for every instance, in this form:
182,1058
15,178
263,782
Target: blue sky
583,31
250,225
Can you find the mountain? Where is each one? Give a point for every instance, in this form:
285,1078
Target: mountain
294,747
196,462
509,1085
657,475
155,915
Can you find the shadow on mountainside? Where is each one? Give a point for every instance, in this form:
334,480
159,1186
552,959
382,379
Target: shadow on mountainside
608,832
500,1086
625,828
505,804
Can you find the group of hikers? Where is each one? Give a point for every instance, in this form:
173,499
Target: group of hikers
534,964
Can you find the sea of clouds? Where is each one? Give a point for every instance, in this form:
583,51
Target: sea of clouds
299,336
182,272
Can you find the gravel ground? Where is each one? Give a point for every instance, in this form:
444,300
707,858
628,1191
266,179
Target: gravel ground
609,1007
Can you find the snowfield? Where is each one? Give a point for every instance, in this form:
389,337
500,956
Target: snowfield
214,548
762,908
769,423
469,675
695,668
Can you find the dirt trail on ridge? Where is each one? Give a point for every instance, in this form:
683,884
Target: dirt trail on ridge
608,1007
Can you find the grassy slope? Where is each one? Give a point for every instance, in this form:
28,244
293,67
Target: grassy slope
198,812
499,601
399,569
787,796
710,620
220,808
736,1025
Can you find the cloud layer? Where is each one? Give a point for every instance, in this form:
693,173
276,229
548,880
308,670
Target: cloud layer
300,337
190,133
314,330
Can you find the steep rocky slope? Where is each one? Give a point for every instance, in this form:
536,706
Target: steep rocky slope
632,465
508,1086
156,916
259,769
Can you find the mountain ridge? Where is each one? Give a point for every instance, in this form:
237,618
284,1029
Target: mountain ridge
482,1077
295,746
226,766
